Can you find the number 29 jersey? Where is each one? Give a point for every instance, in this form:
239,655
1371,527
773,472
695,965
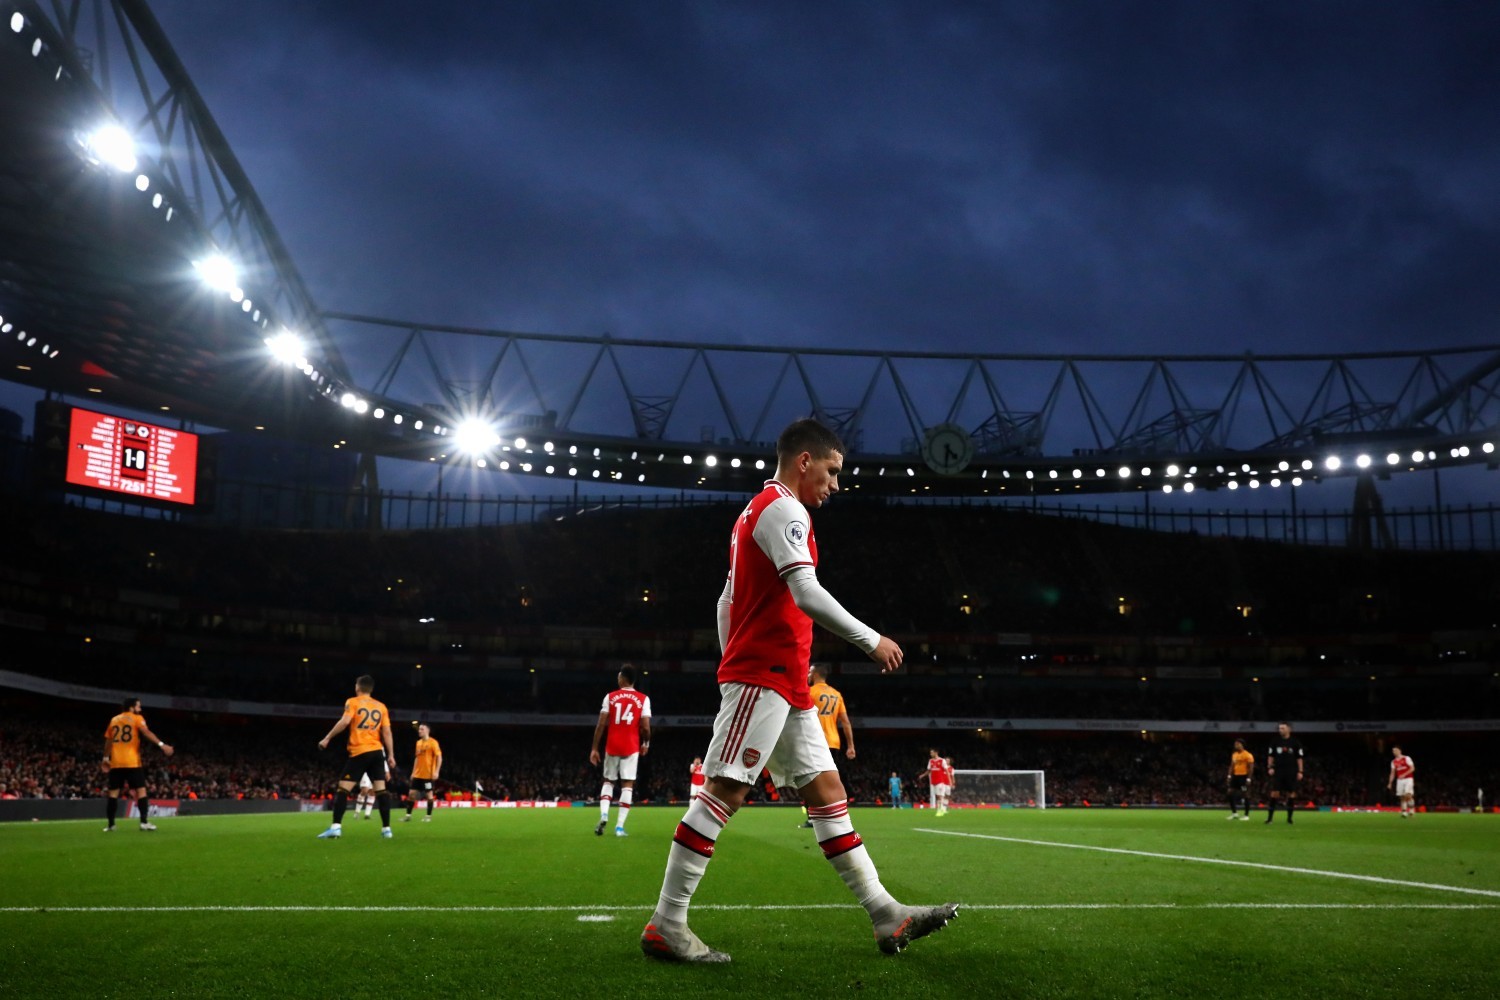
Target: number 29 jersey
624,709
367,717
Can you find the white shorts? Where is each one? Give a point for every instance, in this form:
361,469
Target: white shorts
365,784
756,728
620,768
941,791
1404,787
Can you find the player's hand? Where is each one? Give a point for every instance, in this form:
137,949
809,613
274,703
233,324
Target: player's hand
104,767
594,757
645,749
849,753
888,655
166,748
323,744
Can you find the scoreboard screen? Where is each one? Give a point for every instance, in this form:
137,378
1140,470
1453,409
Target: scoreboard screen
124,455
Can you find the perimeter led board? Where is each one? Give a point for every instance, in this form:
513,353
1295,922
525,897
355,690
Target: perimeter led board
123,455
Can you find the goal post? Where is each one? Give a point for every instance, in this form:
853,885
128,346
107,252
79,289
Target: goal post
1021,789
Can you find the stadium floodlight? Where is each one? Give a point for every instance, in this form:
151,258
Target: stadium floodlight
1283,465
1296,480
474,436
760,463
360,406
218,272
347,400
711,460
1166,487
520,443
1332,463
1188,487
1234,484
1393,459
18,22
1124,472
113,146
287,348
1363,461
1417,456
734,463
1463,451
1488,447
142,183
416,425
1172,471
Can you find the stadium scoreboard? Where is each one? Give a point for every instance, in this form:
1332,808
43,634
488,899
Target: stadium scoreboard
129,456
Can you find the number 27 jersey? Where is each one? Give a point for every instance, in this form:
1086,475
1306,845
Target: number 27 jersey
624,709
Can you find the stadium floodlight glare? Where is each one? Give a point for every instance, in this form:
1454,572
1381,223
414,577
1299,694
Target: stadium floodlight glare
547,447
113,146
1296,480
1283,465
1234,484
347,400
360,406
760,463
519,443
1417,456
1488,447
1332,463
142,183
1363,461
1124,472
1188,487
218,272
710,460
287,348
1172,471
1463,451
734,463
1166,487
1307,464
18,22
416,425
1393,459
687,459
473,436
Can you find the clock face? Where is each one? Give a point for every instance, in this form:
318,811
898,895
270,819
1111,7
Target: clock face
948,449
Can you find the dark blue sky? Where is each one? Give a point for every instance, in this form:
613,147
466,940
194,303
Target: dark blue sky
1120,177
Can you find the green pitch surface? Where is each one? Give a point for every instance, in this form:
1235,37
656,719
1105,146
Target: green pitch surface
531,903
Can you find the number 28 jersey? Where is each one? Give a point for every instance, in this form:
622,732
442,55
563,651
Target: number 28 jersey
624,709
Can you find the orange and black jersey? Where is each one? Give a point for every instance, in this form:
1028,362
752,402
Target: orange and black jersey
124,736
367,718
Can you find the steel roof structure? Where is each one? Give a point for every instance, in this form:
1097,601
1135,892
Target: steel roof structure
101,294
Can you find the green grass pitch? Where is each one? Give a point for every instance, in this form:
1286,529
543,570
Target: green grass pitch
530,903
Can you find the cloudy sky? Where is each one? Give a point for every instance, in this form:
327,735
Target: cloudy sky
1049,177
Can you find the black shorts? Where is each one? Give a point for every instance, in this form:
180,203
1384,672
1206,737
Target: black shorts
421,787
119,777
1284,782
371,762
1238,782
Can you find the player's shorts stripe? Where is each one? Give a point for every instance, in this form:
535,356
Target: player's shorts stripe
743,712
693,840
842,844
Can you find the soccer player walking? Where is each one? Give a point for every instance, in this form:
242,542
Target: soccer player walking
626,717
766,717
426,765
371,752
939,781
833,717
122,761
1284,768
1403,777
1241,770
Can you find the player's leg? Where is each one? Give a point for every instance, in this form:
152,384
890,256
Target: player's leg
383,802
895,924
748,726
1271,798
412,794
428,794
340,805
627,792
143,808
607,792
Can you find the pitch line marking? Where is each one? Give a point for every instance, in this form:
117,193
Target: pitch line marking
1221,861
590,912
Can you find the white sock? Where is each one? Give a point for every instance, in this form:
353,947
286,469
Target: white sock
846,852
692,847
624,810
606,795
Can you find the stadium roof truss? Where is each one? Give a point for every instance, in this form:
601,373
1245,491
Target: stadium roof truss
100,270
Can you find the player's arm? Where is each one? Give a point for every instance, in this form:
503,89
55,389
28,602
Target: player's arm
390,747
106,753
594,757
847,728
437,765
822,607
166,747
721,615
645,734
338,727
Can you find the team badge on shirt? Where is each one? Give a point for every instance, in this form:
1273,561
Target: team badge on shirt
751,756
796,533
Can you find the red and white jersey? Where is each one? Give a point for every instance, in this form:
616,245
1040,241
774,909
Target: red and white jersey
939,771
1403,767
770,638
624,709
697,772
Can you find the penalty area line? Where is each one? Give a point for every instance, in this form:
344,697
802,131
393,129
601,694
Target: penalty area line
598,913
1221,861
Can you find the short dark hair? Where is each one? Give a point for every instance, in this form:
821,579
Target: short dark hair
365,683
129,702
628,672
820,670
810,436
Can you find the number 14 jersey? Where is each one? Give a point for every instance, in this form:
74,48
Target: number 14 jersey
624,708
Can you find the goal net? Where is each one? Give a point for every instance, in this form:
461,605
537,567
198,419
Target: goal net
1023,789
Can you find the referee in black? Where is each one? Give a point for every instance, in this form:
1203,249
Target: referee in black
1284,768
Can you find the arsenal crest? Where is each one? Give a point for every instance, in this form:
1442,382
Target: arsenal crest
751,757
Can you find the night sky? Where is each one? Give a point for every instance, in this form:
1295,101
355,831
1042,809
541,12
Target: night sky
1046,177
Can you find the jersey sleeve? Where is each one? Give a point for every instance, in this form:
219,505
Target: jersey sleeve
604,705
781,531
646,707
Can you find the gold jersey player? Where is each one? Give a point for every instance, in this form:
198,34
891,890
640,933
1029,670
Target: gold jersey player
371,752
766,718
426,765
833,717
122,761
